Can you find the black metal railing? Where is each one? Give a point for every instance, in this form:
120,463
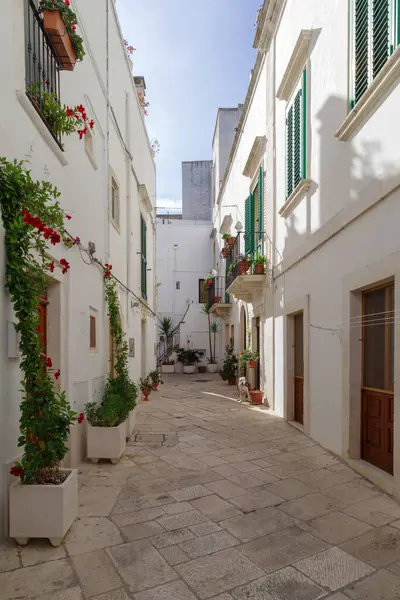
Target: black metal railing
42,69
243,256
217,292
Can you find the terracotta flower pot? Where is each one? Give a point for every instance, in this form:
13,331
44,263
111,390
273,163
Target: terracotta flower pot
60,39
252,364
232,381
154,386
258,270
230,241
256,396
146,395
243,266
217,299
202,369
225,252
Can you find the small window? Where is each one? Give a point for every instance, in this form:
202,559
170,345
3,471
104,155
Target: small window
114,201
203,293
178,285
296,137
92,332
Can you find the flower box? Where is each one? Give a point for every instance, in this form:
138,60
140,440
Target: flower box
60,39
130,423
167,369
212,367
106,442
43,511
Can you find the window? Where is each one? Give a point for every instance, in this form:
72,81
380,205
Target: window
253,216
92,332
178,285
375,35
203,293
114,208
296,137
143,253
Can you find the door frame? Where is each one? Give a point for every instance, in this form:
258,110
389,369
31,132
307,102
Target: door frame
292,308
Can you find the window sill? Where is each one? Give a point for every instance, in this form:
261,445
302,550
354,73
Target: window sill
41,127
371,99
295,66
295,198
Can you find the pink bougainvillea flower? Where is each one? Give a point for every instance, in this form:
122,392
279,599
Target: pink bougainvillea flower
81,418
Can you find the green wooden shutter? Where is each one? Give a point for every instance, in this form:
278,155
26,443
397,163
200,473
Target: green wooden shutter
381,38
143,236
260,203
361,47
249,224
289,152
297,140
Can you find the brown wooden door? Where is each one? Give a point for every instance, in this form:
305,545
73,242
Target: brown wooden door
377,377
298,368
42,313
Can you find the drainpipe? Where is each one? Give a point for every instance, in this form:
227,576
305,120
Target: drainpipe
107,173
128,207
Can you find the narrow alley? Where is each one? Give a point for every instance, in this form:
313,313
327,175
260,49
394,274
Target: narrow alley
214,499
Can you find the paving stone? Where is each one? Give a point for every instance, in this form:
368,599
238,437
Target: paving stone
172,522
140,516
289,488
383,586
176,590
264,476
141,530
310,507
141,566
257,524
337,596
255,500
321,479
262,463
282,548
333,568
74,593
9,558
289,468
88,534
115,595
286,584
225,470
174,537
35,581
212,461
128,503
223,597
245,467
178,507
39,551
376,511
226,489
336,527
96,573
205,528
286,457
378,547
216,573
246,480
189,493
174,555
352,491
97,501
207,544
215,508
318,462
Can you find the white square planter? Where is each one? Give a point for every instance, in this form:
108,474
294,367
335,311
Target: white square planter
43,511
106,442
212,368
190,369
167,369
130,423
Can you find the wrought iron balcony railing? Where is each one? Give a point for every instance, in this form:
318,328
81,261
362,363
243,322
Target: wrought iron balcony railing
217,292
42,69
246,256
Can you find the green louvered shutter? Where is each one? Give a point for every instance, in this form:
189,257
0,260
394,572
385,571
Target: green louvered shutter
289,151
297,140
381,37
249,224
143,235
260,203
361,47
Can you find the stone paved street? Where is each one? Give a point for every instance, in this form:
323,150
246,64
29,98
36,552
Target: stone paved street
216,500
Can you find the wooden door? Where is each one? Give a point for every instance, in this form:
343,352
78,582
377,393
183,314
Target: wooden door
377,377
298,368
42,313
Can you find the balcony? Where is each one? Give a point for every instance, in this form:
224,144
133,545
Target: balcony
218,299
245,278
42,69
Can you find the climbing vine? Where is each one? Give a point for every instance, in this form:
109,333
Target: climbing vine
33,219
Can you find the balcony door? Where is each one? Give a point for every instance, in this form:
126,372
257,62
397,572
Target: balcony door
377,377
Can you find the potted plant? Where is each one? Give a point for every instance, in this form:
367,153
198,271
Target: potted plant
202,368
44,500
60,24
252,359
225,252
217,299
213,329
168,367
155,380
188,358
106,432
229,240
256,396
229,368
208,281
243,265
258,262
146,387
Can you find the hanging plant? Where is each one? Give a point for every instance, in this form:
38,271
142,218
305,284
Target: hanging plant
70,22
33,219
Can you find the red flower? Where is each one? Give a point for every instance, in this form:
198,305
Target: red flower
68,217
80,108
69,112
77,240
57,374
17,471
109,267
73,27
65,265
81,417
107,274
55,238
82,132
68,241
51,266
67,2
91,124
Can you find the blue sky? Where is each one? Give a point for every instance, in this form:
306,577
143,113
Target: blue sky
195,57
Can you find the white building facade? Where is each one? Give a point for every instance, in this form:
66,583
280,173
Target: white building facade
107,185
317,138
